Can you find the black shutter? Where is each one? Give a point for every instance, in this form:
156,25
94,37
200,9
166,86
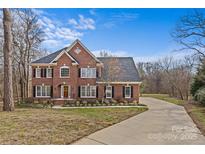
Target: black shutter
123,91
52,72
42,72
51,91
34,91
34,72
131,91
45,72
104,91
113,91
96,73
79,91
79,72
96,91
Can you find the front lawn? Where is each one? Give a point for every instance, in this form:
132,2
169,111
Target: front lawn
52,126
165,97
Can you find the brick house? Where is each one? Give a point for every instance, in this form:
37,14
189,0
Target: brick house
75,73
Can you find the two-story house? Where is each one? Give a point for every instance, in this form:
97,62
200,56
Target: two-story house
75,73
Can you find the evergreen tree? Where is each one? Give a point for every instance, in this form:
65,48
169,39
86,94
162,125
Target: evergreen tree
199,79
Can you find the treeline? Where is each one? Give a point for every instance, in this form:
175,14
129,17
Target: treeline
185,77
168,76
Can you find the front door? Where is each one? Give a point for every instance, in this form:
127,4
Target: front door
65,91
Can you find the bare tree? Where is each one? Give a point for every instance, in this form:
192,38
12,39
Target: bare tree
8,104
111,70
168,75
190,33
27,38
103,53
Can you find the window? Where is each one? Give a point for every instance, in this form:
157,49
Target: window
88,91
108,91
49,73
88,72
64,72
38,73
43,91
127,91
38,90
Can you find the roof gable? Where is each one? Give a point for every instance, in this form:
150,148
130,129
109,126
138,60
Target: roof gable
59,55
51,58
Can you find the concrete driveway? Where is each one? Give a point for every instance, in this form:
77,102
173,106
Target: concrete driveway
163,123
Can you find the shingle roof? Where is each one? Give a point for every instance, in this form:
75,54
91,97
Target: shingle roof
128,71
49,58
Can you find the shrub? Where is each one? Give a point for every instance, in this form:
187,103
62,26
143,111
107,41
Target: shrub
125,101
84,102
135,102
200,95
77,103
113,101
106,101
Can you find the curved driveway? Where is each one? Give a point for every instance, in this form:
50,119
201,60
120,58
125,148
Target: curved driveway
163,123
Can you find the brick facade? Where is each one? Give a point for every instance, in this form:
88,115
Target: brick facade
74,81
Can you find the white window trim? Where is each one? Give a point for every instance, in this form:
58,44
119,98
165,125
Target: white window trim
86,77
37,73
68,72
86,92
125,91
106,91
41,91
47,73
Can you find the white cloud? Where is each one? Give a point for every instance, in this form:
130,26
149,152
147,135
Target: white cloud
119,18
92,11
82,23
57,34
73,22
38,11
67,33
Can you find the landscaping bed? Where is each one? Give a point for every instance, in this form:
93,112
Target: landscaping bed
49,103
52,126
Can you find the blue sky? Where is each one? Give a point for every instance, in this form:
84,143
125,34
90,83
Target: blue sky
141,33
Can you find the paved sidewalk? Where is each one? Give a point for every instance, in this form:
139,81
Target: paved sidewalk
82,107
163,123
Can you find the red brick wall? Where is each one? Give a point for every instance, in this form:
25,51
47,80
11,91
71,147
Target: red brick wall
118,91
84,59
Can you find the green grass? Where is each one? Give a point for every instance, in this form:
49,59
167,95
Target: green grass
165,97
58,126
197,113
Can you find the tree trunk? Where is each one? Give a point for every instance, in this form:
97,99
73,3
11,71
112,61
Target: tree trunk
8,104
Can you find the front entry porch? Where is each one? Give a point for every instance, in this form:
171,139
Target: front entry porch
65,91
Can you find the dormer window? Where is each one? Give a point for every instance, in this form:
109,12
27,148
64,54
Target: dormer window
64,72
77,50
